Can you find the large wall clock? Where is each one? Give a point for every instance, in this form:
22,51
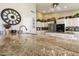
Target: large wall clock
10,16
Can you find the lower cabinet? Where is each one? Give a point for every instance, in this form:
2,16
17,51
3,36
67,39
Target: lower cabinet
64,36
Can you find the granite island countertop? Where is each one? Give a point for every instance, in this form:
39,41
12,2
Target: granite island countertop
38,45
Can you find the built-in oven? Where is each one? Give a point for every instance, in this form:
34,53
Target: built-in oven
60,27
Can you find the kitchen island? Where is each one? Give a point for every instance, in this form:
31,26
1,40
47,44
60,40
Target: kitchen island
38,45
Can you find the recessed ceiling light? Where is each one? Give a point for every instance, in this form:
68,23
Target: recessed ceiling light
65,7
52,9
58,8
38,10
48,11
44,11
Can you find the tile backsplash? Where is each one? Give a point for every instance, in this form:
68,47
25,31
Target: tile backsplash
72,28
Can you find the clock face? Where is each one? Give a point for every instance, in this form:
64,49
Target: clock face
10,16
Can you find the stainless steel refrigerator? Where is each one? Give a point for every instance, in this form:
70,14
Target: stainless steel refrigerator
52,27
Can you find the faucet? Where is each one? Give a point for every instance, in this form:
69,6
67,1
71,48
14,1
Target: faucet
22,26
21,30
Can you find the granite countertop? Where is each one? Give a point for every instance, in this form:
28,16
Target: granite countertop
68,32
38,45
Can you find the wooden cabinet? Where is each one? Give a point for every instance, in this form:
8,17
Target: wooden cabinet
69,22
43,24
64,36
72,22
60,21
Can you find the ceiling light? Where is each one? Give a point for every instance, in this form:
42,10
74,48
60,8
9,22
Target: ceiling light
52,9
65,7
58,8
44,11
55,5
49,11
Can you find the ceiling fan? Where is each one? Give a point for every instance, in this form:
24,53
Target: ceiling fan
54,5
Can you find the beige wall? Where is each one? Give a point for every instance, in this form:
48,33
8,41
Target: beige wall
59,14
25,11
39,15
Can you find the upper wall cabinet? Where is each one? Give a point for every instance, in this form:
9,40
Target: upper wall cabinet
69,22
60,21
72,22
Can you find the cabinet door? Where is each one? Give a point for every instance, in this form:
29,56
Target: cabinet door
61,21
68,22
77,22
72,22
